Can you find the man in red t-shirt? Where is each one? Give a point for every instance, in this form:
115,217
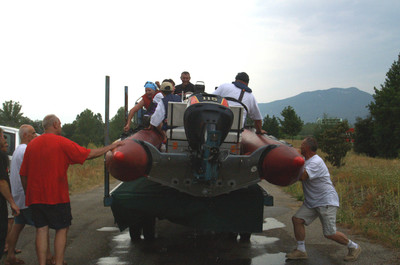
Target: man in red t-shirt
44,178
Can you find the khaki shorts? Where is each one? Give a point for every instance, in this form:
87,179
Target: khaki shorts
327,215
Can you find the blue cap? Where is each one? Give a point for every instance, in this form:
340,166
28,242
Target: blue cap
150,85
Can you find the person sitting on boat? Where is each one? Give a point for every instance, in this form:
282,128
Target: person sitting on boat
149,100
239,90
186,86
159,118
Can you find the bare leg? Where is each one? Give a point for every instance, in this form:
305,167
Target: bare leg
42,235
10,223
12,239
299,228
339,237
60,242
48,255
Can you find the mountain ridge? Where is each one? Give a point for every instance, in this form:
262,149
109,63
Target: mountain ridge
346,103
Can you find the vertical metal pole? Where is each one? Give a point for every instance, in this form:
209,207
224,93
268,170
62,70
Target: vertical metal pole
107,199
126,104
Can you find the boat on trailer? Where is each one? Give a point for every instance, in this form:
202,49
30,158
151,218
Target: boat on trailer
206,175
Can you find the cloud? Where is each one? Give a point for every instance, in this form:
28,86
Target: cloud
56,54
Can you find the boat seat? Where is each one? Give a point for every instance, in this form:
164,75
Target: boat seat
177,131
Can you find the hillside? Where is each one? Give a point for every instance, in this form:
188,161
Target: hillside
345,103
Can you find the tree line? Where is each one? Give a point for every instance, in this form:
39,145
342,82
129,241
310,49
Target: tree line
88,127
376,135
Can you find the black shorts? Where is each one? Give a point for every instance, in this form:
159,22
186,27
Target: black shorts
55,216
3,228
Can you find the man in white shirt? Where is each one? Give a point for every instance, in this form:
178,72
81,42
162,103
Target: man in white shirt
240,91
320,200
160,114
26,133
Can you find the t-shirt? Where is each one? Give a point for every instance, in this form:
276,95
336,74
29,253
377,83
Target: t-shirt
45,164
157,98
160,114
318,188
3,176
17,190
179,88
230,90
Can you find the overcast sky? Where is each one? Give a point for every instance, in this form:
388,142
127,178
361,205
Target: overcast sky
54,55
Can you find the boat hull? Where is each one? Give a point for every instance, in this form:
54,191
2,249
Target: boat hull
131,160
262,158
280,165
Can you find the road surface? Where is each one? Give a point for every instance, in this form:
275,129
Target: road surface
93,239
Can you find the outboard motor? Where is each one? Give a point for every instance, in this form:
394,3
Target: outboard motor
207,121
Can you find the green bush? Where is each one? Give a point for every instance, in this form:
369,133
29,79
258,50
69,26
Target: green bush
332,141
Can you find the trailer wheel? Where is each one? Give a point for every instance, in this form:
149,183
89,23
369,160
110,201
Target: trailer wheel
134,232
231,236
149,228
245,237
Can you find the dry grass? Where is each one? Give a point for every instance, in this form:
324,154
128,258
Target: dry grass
369,193
87,176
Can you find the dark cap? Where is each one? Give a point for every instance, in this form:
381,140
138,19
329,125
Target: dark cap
242,76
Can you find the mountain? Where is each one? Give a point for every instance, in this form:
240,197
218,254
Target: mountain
345,103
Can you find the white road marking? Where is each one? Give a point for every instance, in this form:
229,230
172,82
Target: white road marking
272,223
108,229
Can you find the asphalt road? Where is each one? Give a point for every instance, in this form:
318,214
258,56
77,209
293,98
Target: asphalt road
93,239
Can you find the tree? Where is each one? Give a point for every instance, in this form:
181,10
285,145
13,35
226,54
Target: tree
308,129
249,122
385,112
291,123
89,128
11,114
68,130
117,124
332,141
364,142
37,124
271,125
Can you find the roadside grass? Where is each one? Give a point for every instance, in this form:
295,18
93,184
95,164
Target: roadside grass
369,193
87,176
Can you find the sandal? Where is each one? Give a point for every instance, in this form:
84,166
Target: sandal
14,262
16,251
